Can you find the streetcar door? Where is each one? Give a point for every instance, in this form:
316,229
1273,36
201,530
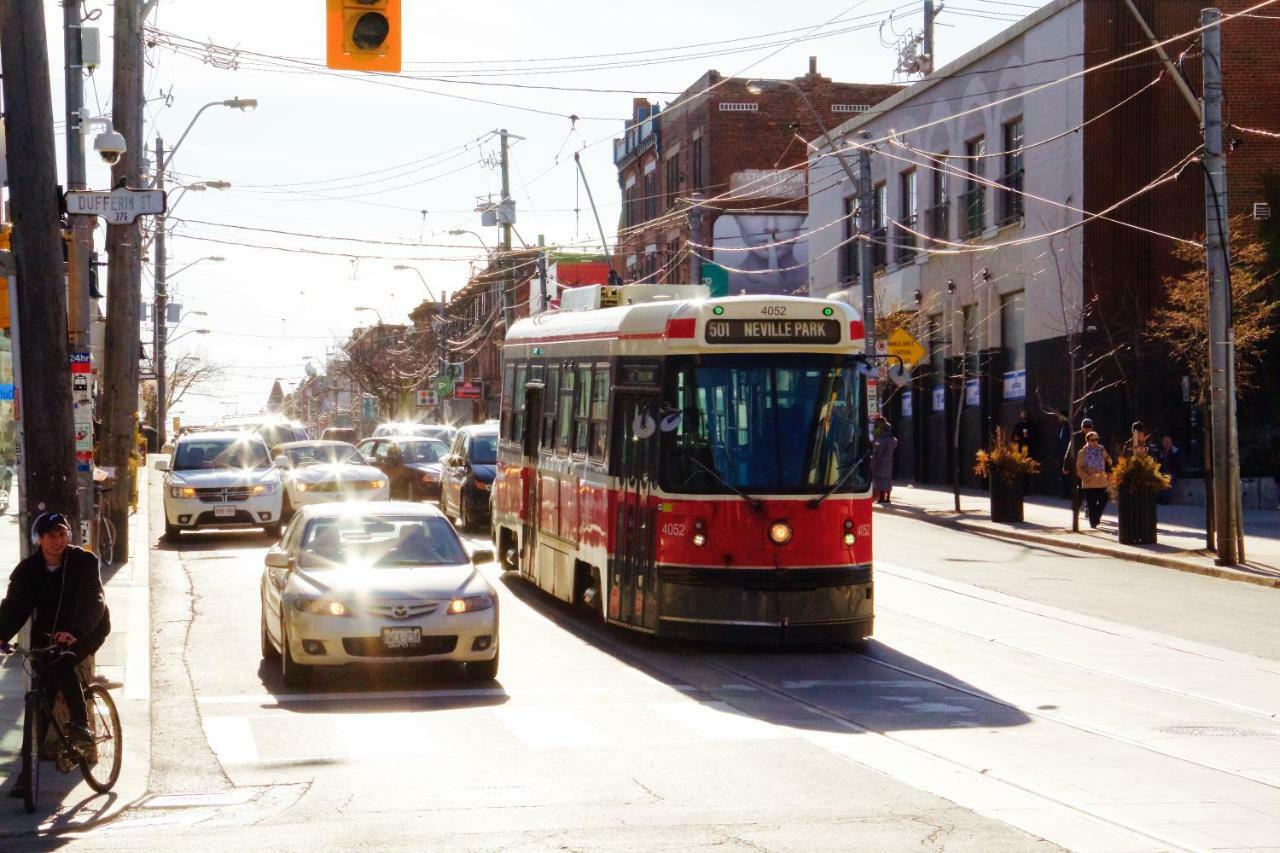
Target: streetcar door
637,453
529,464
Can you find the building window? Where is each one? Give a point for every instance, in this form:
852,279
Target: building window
849,245
908,216
697,163
673,180
975,194
629,217
1013,336
599,412
879,229
939,204
650,263
651,193
1011,180
672,267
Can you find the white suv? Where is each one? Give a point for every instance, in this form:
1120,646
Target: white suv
221,480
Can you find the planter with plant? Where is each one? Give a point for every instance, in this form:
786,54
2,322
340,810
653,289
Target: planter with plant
1006,465
1135,481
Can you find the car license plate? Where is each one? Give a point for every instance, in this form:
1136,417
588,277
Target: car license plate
224,512
401,638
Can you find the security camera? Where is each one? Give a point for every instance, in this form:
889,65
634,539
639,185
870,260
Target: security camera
110,146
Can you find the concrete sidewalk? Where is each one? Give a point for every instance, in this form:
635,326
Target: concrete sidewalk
66,803
1180,538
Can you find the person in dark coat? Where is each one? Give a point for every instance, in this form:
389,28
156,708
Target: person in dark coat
1170,465
882,461
1025,432
59,587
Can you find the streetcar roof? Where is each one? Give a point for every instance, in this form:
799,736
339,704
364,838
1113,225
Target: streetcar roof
649,320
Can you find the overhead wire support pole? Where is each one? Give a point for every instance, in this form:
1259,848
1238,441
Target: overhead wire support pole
79,254
161,308
866,258
1221,353
1173,70
505,211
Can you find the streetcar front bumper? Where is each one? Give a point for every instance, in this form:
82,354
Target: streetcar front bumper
768,606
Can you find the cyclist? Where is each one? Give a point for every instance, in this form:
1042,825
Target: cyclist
59,587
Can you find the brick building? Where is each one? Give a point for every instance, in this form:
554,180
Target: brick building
742,149
1026,207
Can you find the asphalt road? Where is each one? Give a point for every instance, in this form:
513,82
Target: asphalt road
1012,695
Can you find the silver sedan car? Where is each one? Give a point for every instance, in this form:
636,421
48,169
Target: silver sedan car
384,583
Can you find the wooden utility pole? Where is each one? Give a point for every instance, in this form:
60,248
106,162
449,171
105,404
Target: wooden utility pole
41,312
124,287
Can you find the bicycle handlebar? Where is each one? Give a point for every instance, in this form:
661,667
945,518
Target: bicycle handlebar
15,649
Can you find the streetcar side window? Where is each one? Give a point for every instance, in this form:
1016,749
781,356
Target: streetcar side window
598,437
564,416
508,392
582,415
517,404
548,438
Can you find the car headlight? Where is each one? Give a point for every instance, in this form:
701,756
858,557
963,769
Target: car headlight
375,484
264,489
320,606
181,492
302,487
481,485
429,477
469,604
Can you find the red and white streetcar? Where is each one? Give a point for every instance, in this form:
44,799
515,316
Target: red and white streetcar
691,467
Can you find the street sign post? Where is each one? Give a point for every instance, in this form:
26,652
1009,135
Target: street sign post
904,345
119,206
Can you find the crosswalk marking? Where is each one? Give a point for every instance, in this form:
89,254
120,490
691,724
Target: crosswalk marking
231,739
549,727
719,721
399,735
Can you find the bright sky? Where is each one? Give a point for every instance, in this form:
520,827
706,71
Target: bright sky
292,160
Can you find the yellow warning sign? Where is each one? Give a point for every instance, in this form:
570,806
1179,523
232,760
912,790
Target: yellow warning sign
904,345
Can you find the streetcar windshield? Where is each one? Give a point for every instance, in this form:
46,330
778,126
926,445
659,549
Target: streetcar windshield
766,425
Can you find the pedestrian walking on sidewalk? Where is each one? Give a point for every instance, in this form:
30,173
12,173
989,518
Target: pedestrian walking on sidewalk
1171,466
882,461
1139,443
59,587
1072,450
1092,464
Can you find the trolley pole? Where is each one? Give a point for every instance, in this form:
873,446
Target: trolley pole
504,219
866,274
79,257
1221,335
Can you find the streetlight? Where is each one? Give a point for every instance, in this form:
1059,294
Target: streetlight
161,339
169,339
404,267
757,87
458,232
162,293
374,310
197,187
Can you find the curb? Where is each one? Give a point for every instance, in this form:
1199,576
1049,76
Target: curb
1101,550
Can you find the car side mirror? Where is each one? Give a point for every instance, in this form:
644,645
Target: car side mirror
279,560
281,462
162,465
480,556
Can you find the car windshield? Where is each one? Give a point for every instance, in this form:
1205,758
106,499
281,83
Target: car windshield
323,454
484,449
207,454
381,541
766,425
425,451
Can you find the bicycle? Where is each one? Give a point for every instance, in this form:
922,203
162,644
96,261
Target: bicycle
104,531
99,764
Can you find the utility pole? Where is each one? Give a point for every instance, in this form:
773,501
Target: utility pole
40,312
120,373
866,277
505,208
79,257
1221,335
161,308
542,271
695,236
926,60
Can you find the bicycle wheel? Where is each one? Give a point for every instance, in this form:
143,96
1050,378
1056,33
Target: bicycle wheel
101,767
31,752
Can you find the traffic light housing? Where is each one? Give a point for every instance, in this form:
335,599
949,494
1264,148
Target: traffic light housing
364,35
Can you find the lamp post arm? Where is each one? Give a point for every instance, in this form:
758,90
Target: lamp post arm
162,166
826,134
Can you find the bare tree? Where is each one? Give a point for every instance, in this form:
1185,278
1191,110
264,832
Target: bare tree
390,361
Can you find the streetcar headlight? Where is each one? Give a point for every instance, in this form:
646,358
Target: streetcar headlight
849,536
780,533
699,533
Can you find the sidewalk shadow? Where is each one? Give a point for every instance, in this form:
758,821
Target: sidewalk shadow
59,810
824,688
361,689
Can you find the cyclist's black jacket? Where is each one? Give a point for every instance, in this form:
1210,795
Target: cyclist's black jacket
67,599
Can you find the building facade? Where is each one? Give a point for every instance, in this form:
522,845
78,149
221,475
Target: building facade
739,149
1026,201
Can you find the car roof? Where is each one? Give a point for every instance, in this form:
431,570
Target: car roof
317,442
337,510
228,434
479,429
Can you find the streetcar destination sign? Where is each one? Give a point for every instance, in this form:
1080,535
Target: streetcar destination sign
773,331
119,206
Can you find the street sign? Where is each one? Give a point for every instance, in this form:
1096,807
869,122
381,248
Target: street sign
6,391
444,386
468,390
119,206
904,345
426,397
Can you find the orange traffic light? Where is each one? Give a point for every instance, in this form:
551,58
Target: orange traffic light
364,35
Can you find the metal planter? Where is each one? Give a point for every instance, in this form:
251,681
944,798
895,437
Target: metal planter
1006,499
1137,511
